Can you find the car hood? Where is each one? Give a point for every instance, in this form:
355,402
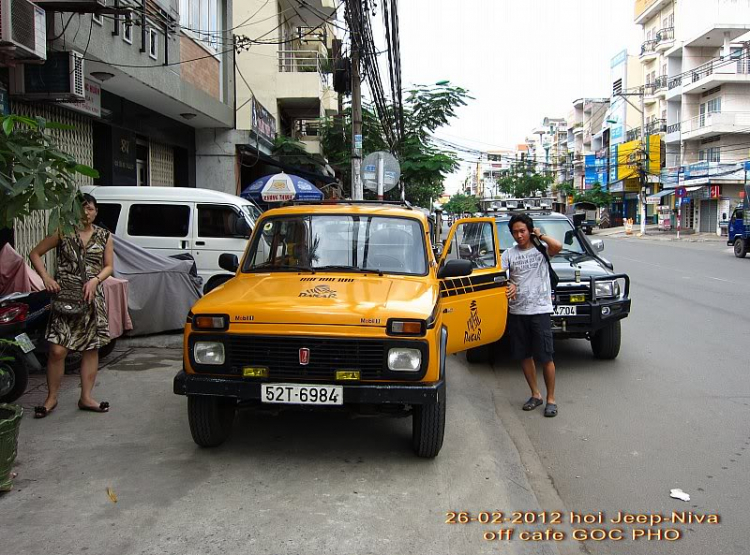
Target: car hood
323,299
565,267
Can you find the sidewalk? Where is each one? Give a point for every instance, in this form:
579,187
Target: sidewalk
655,234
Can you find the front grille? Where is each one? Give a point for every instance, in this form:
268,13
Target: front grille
562,294
281,356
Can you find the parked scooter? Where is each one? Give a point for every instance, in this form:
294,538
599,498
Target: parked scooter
19,313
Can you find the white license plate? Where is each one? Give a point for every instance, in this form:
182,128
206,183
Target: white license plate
295,394
565,310
25,342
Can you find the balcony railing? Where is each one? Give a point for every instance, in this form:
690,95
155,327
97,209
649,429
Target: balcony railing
633,134
660,82
656,126
648,47
675,82
724,66
301,61
674,128
306,128
665,35
720,122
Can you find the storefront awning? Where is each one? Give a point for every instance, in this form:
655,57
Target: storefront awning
657,196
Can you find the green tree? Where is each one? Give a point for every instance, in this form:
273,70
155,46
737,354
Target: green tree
460,204
595,195
424,166
36,175
520,182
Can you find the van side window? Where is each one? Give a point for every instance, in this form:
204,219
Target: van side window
108,216
159,220
217,221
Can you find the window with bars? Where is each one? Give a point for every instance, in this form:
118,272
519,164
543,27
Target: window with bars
201,18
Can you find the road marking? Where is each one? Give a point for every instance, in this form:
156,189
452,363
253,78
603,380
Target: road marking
686,276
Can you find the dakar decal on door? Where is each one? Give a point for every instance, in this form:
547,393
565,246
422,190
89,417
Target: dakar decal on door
473,331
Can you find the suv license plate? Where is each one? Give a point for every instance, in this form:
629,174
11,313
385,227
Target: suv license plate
565,310
25,342
295,394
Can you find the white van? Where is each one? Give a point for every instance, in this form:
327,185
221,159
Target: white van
179,220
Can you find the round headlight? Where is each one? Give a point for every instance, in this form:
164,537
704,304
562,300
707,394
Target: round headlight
404,360
209,352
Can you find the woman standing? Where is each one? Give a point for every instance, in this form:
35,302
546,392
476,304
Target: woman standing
89,252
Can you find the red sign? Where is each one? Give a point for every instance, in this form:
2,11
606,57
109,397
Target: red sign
715,191
681,192
304,356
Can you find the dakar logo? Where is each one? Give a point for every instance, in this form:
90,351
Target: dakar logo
473,330
320,291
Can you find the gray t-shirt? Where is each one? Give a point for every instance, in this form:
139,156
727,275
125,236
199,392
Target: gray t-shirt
528,270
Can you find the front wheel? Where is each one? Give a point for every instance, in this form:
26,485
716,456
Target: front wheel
428,428
210,419
606,342
478,355
740,248
13,379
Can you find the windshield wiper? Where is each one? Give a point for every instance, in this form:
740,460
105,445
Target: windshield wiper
267,266
349,269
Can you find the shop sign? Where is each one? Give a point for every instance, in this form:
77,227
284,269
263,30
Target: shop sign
263,123
616,187
715,191
123,157
92,106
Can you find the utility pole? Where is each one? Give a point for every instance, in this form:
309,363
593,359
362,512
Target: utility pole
644,166
357,190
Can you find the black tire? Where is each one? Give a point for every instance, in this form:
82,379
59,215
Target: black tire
428,428
606,342
478,355
740,248
215,281
14,381
210,419
107,349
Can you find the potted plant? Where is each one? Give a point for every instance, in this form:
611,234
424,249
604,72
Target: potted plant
10,421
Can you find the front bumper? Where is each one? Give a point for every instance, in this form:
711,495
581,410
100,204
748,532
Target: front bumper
595,313
248,390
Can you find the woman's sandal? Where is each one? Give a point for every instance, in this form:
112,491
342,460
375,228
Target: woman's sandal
103,407
42,412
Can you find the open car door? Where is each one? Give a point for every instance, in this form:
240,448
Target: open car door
474,307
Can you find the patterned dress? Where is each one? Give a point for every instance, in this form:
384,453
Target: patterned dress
90,330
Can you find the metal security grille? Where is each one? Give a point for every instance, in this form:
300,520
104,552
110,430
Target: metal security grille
281,356
78,142
162,164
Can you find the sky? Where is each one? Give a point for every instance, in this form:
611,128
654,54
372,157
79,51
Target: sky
521,60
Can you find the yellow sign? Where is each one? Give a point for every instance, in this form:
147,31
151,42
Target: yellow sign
642,5
631,154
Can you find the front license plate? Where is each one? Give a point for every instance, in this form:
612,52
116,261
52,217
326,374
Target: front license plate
565,310
25,342
295,394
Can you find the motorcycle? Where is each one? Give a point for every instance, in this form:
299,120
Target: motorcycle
23,325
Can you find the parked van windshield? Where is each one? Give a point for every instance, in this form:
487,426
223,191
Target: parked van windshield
339,243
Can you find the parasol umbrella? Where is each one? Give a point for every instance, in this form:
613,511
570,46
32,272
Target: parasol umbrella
281,187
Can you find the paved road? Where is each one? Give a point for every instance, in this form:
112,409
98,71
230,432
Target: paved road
671,412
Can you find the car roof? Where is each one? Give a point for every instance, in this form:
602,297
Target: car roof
344,208
189,194
533,214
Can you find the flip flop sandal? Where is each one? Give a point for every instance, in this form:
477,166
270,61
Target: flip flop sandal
532,403
550,410
103,407
42,411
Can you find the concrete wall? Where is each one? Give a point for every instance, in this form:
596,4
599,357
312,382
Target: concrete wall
695,16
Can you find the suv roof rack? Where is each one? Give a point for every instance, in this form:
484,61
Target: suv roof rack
404,203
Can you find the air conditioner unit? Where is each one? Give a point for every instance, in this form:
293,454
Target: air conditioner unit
23,25
79,6
59,79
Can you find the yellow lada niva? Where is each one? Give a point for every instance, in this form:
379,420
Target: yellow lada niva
347,305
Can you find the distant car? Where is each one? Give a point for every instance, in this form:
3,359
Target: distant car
590,300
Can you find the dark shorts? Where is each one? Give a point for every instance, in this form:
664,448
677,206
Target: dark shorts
531,336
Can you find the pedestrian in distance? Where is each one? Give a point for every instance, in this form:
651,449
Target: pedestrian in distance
530,305
85,258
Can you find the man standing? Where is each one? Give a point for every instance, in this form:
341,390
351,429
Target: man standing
530,305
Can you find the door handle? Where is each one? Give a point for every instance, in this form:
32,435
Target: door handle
183,244
200,243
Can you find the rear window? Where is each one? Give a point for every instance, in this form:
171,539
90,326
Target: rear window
159,220
107,216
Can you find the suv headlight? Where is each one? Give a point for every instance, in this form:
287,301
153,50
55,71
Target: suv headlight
607,289
404,360
209,352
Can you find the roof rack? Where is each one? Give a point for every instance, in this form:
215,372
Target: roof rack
404,203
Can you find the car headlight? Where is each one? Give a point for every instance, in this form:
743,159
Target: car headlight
607,289
404,360
209,352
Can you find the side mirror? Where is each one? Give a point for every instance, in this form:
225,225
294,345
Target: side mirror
229,262
598,244
455,268
569,235
242,227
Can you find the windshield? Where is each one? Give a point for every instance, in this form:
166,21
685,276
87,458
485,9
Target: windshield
339,243
252,213
562,230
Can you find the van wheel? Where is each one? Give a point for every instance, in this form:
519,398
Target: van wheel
478,355
107,349
210,419
428,428
606,342
215,281
740,248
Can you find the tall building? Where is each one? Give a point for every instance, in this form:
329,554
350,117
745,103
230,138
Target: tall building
698,49
584,123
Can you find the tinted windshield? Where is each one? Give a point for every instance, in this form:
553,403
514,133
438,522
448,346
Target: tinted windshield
554,228
339,243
